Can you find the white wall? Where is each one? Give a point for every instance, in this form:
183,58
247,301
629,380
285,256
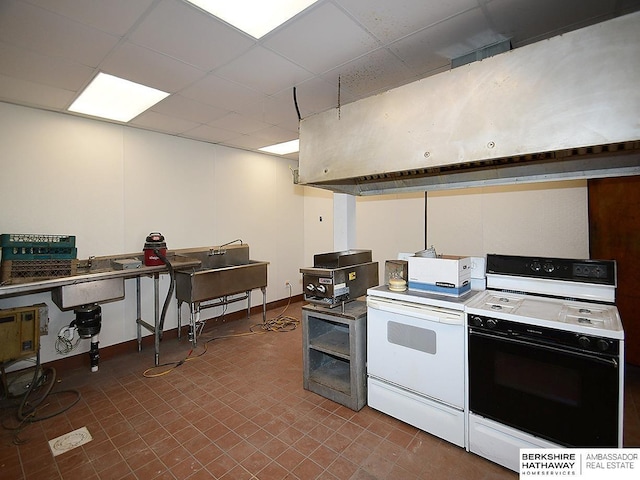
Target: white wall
385,224
111,185
547,219
390,224
318,223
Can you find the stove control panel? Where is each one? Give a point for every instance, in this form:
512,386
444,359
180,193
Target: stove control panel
566,269
534,334
596,270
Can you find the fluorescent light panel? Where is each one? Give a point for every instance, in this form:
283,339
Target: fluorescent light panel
282,148
115,98
255,17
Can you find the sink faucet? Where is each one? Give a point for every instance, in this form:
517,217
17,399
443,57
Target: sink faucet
220,251
89,262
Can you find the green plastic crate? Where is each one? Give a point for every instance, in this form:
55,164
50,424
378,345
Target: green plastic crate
19,246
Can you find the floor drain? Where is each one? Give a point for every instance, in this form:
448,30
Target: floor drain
69,441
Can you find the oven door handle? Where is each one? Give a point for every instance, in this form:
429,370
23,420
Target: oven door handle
417,311
527,343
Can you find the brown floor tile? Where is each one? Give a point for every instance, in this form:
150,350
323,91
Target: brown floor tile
273,471
236,410
256,462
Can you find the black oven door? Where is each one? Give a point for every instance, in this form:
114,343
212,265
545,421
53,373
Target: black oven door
569,398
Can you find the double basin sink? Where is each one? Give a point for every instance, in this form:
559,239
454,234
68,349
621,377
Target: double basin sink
200,274
222,271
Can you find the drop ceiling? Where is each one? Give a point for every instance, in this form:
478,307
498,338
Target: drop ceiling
230,89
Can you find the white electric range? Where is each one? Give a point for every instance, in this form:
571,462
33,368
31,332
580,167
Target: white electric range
415,359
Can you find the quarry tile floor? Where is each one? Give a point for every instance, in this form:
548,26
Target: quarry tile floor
235,409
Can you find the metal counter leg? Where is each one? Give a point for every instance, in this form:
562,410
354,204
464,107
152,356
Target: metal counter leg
264,304
179,319
194,319
155,328
139,314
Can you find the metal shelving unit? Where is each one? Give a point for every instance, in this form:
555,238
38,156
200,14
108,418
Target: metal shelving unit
334,352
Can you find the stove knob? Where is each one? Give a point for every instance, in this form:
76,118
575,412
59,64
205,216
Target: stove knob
492,323
549,267
602,345
310,287
321,288
584,342
536,267
476,321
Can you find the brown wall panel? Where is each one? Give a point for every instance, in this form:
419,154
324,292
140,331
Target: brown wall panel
614,233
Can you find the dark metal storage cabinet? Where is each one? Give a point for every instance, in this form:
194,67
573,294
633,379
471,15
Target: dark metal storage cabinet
334,352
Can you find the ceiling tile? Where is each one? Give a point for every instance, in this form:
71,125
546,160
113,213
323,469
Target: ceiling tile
206,44
308,43
263,71
313,96
237,123
49,50
33,28
188,109
292,156
274,134
527,22
141,65
390,21
33,94
263,138
32,66
114,16
274,110
208,133
245,142
371,74
432,49
221,93
164,123
318,94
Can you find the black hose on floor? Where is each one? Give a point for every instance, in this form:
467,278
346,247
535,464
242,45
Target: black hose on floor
167,300
27,408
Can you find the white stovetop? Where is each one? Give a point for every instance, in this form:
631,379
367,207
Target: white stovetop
580,317
424,298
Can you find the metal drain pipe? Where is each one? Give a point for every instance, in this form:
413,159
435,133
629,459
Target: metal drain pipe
88,322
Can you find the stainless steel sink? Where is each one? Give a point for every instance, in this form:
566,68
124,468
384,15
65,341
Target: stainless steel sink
208,283
86,293
218,272
223,271
89,287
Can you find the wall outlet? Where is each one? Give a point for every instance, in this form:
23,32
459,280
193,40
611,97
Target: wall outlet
287,284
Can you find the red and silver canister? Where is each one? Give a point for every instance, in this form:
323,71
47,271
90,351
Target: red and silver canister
155,241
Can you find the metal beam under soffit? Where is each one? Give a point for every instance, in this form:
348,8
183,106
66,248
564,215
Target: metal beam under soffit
492,173
482,53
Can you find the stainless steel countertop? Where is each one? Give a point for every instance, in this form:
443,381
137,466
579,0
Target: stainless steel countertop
177,260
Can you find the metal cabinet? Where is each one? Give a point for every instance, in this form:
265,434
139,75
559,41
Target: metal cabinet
334,352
